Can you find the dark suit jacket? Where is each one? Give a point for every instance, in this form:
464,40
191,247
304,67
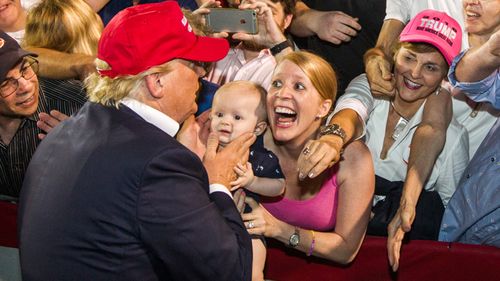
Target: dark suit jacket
108,196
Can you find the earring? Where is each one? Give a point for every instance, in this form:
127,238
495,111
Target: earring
317,117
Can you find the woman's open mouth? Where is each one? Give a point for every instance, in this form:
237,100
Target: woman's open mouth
284,116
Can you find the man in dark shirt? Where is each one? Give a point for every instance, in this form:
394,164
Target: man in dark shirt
22,98
341,32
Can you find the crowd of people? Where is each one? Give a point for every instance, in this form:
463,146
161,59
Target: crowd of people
384,121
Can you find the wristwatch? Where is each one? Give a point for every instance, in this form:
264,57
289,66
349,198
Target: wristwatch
333,129
276,49
294,239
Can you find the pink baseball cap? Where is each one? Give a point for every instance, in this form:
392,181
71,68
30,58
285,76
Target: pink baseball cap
435,28
147,35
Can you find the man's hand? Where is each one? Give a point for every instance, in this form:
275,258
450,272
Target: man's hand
194,133
318,155
219,165
379,74
269,33
48,122
400,224
245,176
335,27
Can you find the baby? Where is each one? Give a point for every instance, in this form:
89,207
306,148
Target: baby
240,107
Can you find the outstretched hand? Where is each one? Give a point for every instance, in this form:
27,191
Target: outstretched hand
400,224
335,26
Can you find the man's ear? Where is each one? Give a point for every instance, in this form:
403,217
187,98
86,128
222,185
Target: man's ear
287,21
260,128
154,85
324,108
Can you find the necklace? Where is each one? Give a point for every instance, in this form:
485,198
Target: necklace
401,125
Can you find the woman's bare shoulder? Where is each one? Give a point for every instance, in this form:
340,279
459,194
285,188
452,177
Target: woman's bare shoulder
356,162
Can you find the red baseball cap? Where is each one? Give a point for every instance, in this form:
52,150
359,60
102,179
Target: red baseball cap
435,28
147,35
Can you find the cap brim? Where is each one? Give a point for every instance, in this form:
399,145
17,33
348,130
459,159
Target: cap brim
423,39
207,49
12,59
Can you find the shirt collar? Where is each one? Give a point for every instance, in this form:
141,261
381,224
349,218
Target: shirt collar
153,116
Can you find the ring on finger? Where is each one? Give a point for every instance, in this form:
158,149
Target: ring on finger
251,224
306,151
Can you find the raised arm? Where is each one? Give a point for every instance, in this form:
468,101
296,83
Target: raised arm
97,4
479,63
59,65
333,26
351,113
378,60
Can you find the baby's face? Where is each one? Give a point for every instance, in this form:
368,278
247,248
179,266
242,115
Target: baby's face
233,113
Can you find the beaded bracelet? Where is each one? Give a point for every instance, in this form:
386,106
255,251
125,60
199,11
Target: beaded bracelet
311,249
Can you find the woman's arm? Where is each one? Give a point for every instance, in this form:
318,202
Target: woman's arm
351,114
356,186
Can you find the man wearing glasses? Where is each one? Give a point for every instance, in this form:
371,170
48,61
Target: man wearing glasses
110,193
22,98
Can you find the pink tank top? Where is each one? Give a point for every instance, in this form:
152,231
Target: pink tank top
318,213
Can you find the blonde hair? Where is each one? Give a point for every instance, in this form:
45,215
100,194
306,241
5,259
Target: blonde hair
110,91
319,71
69,26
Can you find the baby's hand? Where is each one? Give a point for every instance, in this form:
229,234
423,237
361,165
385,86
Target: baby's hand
245,176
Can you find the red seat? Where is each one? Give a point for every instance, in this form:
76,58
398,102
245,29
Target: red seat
420,260
8,224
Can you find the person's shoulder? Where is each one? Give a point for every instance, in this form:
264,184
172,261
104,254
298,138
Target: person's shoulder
356,152
355,158
70,91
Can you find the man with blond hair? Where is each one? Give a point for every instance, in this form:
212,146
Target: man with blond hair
111,194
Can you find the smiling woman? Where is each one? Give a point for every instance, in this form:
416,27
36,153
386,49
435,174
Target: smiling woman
421,63
325,216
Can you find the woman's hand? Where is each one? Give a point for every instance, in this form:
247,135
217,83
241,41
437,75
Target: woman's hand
400,224
260,221
318,155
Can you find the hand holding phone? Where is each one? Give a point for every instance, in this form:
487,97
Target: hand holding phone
232,20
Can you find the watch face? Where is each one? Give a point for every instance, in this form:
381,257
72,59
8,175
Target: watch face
294,240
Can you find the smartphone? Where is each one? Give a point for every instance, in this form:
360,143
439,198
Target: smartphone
232,20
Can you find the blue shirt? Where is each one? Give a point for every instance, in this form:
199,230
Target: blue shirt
473,212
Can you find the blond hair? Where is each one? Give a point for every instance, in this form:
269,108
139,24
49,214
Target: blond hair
319,71
110,91
69,26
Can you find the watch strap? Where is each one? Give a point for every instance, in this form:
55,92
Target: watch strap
276,49
333,129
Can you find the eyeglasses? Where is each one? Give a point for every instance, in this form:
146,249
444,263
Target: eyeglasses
28,69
